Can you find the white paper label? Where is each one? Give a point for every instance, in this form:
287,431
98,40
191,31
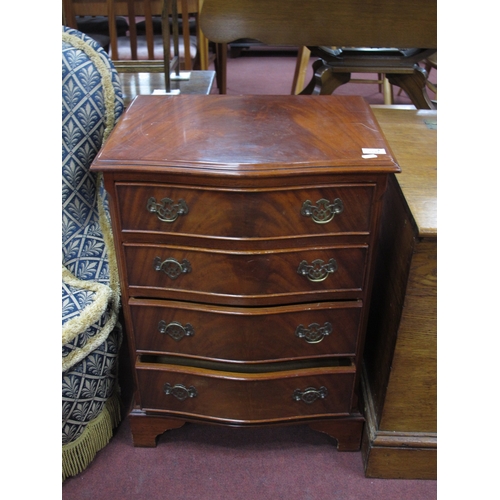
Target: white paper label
373,151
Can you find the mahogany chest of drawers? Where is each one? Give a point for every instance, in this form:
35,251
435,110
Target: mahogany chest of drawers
244,228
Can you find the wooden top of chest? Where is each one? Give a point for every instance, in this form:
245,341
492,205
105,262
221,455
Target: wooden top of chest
247,136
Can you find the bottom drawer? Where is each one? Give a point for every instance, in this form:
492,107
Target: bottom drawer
290,391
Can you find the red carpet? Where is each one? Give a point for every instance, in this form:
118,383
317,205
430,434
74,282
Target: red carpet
203,462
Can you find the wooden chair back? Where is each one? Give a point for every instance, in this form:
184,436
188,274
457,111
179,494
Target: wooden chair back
154,43
145,9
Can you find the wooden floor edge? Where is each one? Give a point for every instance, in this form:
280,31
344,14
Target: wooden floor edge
391,439
395,455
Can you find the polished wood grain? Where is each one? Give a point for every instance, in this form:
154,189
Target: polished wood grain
247,335
243,169
275,136
401,347
239,397
246,278
348,23
223,213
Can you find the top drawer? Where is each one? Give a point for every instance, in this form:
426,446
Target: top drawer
245,213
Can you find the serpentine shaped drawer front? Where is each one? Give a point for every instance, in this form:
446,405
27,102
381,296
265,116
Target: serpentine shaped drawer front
166,272
253,213
246,397
246,334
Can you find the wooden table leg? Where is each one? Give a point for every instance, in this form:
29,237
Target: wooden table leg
332,71
324,80
414,84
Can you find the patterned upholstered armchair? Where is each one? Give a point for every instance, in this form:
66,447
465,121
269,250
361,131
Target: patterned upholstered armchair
91,335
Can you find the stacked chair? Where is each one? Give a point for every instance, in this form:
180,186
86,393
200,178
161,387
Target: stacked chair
91,333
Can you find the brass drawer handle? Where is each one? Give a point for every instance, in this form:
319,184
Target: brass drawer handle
310,395
180,392
313,333
317,270
176,330
171,267
166,210
323,211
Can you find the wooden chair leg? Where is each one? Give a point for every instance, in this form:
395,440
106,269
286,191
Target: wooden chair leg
300,70
202,42
220,64
387,91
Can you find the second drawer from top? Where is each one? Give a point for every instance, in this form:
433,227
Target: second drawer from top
245,278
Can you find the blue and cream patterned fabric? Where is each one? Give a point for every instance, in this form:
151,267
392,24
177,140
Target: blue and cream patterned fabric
91,104
87,386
